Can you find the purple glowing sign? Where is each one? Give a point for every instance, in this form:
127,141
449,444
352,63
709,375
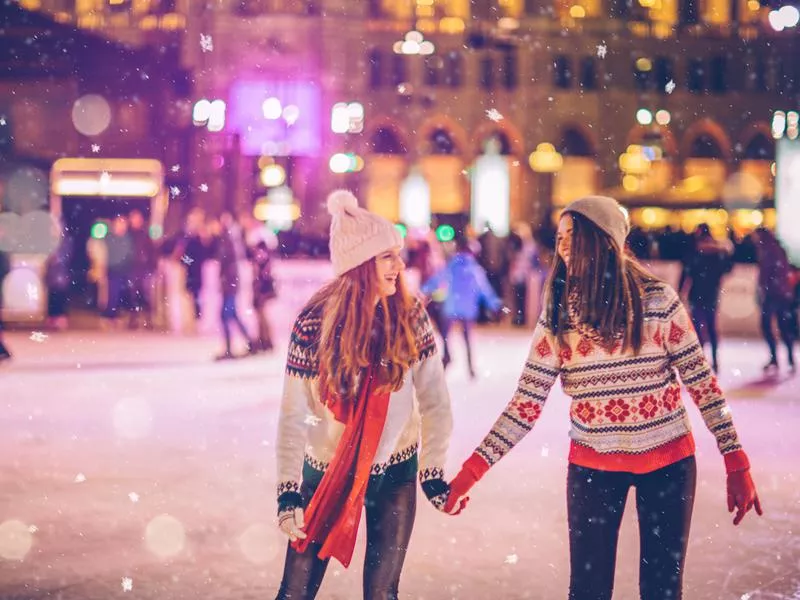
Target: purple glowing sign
277,118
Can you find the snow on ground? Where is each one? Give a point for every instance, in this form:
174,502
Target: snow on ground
135,467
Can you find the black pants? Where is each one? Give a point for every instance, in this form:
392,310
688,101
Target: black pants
704,319
466,328
770,310
595,503
228,316
390,520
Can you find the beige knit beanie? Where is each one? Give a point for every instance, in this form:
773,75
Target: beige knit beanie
357,235
606,213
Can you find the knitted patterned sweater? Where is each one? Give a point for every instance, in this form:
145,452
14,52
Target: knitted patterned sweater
308,431
626,411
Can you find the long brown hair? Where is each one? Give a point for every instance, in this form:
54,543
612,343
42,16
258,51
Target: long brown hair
347,342
610,287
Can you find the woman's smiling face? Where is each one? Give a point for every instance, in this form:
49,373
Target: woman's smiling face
389,265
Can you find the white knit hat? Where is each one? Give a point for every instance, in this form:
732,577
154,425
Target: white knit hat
357,235
606,213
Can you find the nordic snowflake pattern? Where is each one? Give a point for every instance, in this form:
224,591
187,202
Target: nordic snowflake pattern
312,420
127,584
602,50
670,87
38,337
95,148
494,115
203,187
186,259
206,43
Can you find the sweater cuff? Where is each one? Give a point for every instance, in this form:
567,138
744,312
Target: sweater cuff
736,461
476,466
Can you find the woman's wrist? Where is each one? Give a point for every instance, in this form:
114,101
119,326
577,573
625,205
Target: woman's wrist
736,461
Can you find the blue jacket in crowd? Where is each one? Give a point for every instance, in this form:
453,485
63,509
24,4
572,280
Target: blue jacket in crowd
466,288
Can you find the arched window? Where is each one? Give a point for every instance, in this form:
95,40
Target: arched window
574,143
705,146
441,142
386,141
759,148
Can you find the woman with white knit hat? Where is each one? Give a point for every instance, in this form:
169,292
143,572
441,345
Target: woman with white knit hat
618,336
363,384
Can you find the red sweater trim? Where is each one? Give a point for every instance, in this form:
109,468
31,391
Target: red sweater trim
647,462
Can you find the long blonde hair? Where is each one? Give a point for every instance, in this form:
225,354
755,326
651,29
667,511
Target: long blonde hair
347,344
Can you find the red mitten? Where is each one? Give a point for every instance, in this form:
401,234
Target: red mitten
742,494
468,476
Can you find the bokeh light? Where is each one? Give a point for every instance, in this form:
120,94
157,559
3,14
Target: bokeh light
99,230
133,418
91,114
38,234
22,289
165,536
15,540
27,190
261,542
9,231
742,188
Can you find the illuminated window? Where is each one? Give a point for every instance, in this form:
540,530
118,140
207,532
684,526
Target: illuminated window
510,8
562,72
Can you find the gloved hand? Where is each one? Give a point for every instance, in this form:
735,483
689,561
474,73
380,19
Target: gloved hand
468,476
742,495
741,489
438,492
290,515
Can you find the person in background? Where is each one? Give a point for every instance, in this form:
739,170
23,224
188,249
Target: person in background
263,293
618,338
703,270
522,257
143,267
5,269
228,257
119,249
467,287
58,277
775,295
192,250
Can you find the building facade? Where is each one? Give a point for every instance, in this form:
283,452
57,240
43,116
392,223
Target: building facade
497,110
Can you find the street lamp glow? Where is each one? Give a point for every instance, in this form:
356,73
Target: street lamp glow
778,124
545,159
790,16
201,112
663,117
644,116
272,109
339,163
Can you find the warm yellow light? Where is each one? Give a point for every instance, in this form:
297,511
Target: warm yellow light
545,159
695,183
451,25
756,218
106,186
577,12
649,217
634,161
173,22
264,211
273,175
647,3
754,5
644,64
630,183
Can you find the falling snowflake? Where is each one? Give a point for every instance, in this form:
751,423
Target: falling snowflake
95,148
186,259
127,584
312,420
32,529
494,115
80,478
134,497
746,596
670,87
737,373
506,310
33,292
512,559
203,187
545,451
38,336
602,50
206,43
175,190
2,121
175,168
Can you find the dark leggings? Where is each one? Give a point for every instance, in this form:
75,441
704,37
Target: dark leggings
229,315
704,319
390,519
466,327
771,309
595,503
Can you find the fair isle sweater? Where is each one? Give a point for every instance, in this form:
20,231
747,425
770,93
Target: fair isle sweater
308,433
626,412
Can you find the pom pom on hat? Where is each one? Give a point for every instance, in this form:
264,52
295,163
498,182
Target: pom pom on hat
340,201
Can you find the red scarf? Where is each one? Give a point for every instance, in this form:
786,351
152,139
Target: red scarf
333,515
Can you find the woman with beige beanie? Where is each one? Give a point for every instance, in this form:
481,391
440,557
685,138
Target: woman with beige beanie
618,336
363,384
